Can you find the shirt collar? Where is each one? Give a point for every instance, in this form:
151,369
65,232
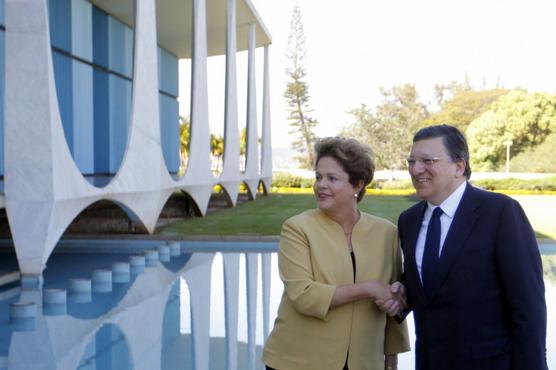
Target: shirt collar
450,204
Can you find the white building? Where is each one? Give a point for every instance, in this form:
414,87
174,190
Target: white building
90,110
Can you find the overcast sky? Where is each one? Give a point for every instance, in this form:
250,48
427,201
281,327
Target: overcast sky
356,46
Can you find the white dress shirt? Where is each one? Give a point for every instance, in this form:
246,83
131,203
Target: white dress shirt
449,207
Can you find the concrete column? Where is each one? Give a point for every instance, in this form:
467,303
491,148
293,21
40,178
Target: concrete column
229,179
252,161
198,180
266,147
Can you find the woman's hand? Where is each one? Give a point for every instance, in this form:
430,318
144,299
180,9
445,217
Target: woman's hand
390,362
397,301
380,291
375,290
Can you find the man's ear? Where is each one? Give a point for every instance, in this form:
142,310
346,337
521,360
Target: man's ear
461,164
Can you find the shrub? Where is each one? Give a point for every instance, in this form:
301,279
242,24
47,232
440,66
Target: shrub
286,180
546,184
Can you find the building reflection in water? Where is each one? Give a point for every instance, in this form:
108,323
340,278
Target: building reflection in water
89,314
201,306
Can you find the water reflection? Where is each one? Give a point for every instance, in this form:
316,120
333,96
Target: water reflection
159,317
106,350
208,307
549,267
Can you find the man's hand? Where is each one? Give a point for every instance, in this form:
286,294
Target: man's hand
397,303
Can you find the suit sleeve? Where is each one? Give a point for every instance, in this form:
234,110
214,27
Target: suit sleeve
521,274
396,339
308,297
401,317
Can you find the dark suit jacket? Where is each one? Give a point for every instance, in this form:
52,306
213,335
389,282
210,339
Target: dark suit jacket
487,310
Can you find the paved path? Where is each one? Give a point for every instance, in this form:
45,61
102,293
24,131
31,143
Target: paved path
541,211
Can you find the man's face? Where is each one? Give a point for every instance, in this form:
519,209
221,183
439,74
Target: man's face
433,173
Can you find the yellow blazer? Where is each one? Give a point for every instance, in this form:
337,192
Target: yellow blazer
313,259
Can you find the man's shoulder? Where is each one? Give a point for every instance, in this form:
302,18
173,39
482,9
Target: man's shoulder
483,195
415,209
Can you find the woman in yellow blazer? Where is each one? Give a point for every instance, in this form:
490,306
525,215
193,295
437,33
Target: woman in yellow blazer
335,261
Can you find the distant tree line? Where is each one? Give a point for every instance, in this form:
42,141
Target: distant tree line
490,118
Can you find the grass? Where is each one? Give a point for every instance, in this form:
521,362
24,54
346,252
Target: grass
266,215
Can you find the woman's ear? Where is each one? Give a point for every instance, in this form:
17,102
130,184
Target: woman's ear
360,186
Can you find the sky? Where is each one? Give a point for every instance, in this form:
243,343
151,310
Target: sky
356,46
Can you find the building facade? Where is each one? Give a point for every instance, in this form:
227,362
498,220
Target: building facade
90,111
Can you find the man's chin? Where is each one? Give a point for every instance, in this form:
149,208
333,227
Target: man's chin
421,193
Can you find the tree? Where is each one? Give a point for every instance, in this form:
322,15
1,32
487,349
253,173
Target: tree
217,150
444,92
297,93
523,118
185,137
463,105
389,128
537,159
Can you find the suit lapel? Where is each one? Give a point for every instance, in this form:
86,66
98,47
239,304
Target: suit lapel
462,225
413,229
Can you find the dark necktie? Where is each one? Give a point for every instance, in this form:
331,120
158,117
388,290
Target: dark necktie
430,255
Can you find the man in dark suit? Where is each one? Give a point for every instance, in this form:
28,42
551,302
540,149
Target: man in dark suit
473,272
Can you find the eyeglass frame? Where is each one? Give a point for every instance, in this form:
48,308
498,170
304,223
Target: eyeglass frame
427,162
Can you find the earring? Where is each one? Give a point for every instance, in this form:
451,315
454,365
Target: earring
355,195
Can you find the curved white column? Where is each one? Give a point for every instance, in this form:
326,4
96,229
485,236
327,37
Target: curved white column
266,146
229,179
251,176
143,183
44,188
198,179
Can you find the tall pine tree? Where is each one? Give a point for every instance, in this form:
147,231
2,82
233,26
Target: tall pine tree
297,94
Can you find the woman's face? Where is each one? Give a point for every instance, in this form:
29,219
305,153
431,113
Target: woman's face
332,187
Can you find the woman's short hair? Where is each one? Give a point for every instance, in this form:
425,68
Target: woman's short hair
355,158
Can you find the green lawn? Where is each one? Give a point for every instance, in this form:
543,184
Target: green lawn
266,215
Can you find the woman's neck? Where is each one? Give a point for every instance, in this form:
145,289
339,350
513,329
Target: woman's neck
345,218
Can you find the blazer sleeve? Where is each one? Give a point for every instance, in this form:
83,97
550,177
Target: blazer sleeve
521,273
396,338
308,297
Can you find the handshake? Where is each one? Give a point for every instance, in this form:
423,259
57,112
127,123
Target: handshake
391,299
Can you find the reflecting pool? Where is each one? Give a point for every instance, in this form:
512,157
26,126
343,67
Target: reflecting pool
159,305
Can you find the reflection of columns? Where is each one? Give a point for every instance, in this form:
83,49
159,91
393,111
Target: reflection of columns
251,267
265,278
231,293
198,178
252,150
266,163
198,277
229,179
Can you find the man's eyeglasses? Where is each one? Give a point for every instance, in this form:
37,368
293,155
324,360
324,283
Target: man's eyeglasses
427,162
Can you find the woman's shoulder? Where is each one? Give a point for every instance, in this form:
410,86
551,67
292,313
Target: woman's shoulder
303,217
375,221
